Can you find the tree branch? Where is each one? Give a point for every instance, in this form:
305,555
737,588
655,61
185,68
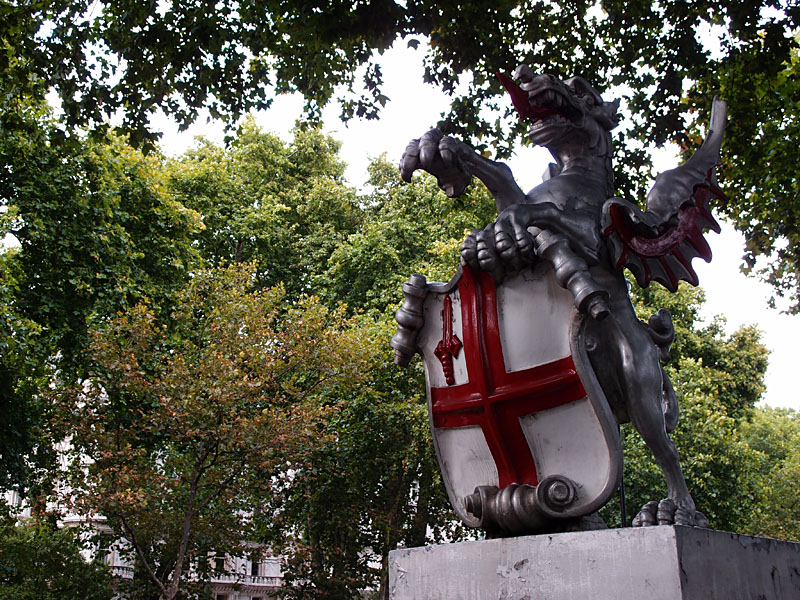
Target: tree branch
140,553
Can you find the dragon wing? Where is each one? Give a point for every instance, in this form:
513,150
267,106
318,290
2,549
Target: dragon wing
659,243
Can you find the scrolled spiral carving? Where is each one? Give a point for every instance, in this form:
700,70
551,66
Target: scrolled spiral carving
521,508
409,319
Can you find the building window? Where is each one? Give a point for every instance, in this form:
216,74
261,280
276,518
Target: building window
104,552
222,596
254,568
219,567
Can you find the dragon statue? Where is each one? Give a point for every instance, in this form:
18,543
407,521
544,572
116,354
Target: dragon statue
572,222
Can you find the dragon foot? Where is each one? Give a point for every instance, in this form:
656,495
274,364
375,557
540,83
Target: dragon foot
667,512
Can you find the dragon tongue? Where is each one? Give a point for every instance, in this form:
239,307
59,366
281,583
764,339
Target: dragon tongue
519,97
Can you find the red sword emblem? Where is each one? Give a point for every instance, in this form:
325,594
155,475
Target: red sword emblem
449,345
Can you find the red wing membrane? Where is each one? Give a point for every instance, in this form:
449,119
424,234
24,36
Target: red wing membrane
659,243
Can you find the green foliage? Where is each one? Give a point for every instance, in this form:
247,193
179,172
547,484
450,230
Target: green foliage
670,57
283,206
759,165
21,373
39,561
226,57
96,230
775,435
406,228
232,59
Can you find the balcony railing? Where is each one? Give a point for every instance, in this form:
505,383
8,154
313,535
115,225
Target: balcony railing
122,572
247,579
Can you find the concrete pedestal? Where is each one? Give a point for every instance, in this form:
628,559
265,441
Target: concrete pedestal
653,563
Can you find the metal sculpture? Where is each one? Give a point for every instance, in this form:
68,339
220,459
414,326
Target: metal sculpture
533,352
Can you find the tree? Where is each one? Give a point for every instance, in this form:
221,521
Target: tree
39,561
95,228
96,233
758,165
188,421
284,206
775,435
21,373
672,57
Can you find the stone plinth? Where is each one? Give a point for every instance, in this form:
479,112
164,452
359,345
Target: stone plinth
653,563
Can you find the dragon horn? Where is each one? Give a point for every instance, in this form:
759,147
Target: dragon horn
519,97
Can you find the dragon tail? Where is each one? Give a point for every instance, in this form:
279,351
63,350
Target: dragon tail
662,332
669,403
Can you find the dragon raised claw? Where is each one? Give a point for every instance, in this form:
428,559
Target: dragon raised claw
572,221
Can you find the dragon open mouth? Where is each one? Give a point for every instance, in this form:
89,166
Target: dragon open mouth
550,105
542,106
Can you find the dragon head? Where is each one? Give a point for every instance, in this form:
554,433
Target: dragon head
566,115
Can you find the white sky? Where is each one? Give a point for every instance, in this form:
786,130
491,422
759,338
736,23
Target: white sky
414,107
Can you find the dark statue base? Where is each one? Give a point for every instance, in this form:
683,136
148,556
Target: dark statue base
652,563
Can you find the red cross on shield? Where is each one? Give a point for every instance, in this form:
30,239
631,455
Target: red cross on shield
512,402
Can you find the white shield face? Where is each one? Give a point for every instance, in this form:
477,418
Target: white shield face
507,395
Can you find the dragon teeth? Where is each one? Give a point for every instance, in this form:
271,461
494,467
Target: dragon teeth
549,120
549,98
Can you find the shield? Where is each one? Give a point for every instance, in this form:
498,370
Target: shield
522,430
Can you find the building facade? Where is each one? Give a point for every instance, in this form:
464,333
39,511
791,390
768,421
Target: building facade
232,578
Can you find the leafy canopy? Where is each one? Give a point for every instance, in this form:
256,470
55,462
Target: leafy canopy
189,420
96,232
39,561
670,58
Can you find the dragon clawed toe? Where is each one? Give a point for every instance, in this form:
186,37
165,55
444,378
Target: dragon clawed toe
667,512
441,156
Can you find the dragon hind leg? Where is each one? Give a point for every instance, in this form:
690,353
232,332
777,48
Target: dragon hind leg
678,508
652,409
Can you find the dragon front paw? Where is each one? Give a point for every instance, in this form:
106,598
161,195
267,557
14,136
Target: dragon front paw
503,246
441,156
479,252
667,512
